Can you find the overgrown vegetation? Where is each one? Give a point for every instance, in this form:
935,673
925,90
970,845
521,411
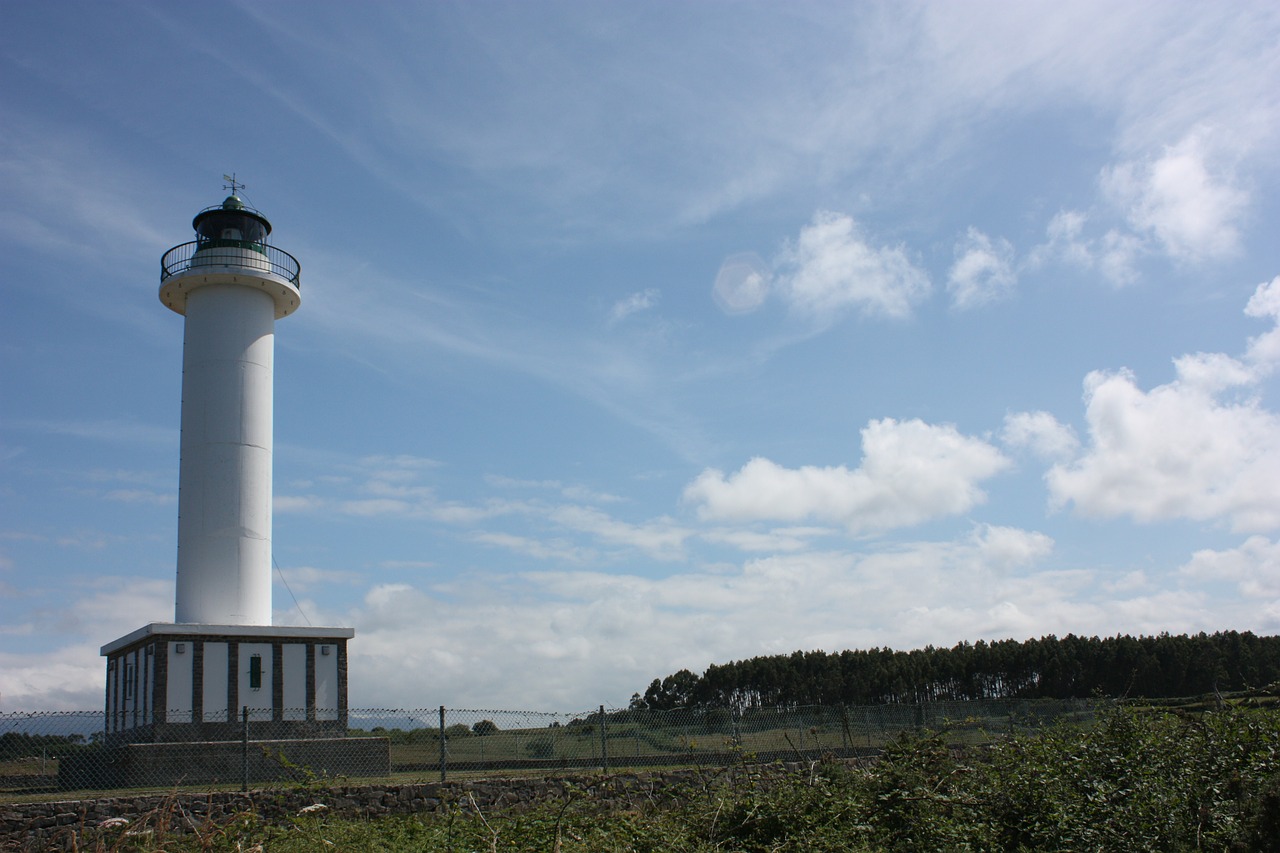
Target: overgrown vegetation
1138,779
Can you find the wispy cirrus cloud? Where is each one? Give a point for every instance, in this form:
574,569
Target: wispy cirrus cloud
572,491
557,550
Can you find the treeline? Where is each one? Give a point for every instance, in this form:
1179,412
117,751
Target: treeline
1049,668
22,745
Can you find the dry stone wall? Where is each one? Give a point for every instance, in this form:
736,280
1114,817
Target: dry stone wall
65,825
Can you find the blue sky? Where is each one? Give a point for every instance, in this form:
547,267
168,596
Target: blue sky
639,337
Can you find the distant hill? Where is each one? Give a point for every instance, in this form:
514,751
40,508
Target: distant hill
1050,667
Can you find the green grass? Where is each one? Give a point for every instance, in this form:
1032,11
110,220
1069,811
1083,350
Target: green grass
804,739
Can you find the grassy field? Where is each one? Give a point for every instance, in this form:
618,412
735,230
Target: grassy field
695,740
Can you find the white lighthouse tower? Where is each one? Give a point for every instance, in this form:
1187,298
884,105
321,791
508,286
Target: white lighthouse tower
232,287
221,666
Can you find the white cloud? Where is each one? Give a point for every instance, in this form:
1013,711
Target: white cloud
144,496
1186,198
1115,254
831,267
642,301
1264,350
587,495
982,272
92,611
1065,240
1128,582
1118,256
398,468
1177,451
461,513
662,538
299,578
558,550
1265,301
1007,548
113,606
911,472
380,486
391,487
557,638
90,540
572,491
297,503
1041,433
1254,567
1201,447
70,678
368,508
782,539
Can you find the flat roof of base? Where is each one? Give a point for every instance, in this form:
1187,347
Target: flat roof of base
168,629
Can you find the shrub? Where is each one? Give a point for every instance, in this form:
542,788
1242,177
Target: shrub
541,747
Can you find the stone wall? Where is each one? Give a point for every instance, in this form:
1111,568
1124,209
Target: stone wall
64,825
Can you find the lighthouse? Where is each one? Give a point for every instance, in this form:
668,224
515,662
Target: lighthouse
221,671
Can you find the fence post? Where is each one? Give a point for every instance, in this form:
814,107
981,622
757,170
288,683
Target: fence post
244,748
604,745
444,747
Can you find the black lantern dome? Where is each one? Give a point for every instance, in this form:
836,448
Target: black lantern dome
231,224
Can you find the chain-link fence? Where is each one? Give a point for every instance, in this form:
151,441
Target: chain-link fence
68,754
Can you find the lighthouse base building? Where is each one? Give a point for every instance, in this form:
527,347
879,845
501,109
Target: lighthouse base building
168,682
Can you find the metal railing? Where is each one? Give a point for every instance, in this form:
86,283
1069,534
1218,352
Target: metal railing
237,253
55,753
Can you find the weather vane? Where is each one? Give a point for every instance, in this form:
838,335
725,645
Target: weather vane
233,185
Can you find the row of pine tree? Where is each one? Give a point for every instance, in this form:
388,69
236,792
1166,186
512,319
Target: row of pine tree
1050,667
